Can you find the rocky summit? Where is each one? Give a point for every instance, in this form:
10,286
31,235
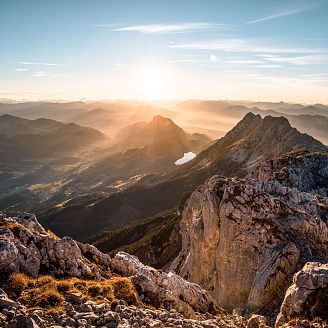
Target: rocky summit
254,235
86,288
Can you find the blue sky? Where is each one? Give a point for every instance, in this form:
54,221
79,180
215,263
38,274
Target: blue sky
76,49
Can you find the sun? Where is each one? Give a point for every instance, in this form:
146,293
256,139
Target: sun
153,82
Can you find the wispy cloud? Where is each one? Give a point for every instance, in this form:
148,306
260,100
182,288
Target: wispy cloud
48,74
39,63
119,65
268,65
243,45
169,28
286,10
300,60
20,69
40,74
215,58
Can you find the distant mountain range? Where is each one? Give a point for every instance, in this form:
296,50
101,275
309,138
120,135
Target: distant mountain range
251,141
27,139
37,152
142,148
223,115
213,118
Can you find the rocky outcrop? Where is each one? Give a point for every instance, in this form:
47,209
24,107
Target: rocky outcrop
305,171
164,289
25,247
91,314
251,236
307,296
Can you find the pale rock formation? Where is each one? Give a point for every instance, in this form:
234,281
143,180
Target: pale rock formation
166,289
32,249
251,236
26,247
307,296
305,171
257,321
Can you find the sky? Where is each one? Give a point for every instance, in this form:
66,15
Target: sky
270,50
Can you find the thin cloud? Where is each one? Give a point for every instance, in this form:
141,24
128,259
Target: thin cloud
40,74
300,60
241,45
268,66
291,9
48,74
40,63
119,65
215,58
20,69
169,28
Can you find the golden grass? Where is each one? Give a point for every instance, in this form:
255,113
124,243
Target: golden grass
10,225
52,234
49,293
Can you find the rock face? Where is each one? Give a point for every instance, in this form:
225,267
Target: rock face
252,141
165,289
251,236
307,296
305,171
26,247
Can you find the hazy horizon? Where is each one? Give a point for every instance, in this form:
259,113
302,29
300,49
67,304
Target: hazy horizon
266,51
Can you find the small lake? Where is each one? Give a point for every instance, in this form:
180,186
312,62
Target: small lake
186,158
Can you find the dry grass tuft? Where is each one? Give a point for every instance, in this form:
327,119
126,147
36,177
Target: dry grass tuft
18,282
49,293
124,289
13,226
52,234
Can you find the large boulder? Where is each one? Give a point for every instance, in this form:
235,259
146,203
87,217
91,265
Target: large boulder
165,289
28,248
251,237
307,296
305,171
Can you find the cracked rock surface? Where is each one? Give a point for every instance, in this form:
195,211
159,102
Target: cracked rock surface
252,235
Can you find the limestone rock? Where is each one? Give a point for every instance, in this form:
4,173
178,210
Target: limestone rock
26,247
167,289
257,321
305,171
251,236
307,296
32,249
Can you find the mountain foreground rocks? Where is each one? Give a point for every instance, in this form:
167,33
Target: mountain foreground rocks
255,248
253,235
86,288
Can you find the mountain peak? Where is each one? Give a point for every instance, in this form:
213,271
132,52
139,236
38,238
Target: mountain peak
158,119
253,140
279,121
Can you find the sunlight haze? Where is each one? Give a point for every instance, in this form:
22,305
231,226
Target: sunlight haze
263,50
